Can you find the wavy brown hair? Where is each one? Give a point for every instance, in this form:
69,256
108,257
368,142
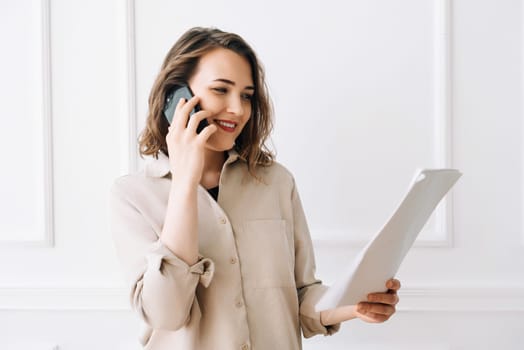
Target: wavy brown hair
179,65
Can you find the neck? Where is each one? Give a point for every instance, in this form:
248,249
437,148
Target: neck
213,163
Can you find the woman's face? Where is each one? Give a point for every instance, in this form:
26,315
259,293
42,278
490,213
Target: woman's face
223,82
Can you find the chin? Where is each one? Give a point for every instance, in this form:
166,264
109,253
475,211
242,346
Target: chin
220,146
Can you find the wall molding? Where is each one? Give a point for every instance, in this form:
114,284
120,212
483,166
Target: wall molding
522,117
463,299
128,114
413,299
443,119
48,238
30,345
442,235
63,298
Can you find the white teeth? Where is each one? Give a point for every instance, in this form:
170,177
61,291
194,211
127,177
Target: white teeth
226,124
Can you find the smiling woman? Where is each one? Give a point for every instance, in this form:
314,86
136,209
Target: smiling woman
212,232
222,80
183,64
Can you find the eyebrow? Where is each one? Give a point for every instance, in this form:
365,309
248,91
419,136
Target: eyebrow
230,82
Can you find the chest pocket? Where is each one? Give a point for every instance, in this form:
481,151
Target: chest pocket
266,254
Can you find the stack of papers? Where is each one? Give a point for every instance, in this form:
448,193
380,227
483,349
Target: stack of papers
381,257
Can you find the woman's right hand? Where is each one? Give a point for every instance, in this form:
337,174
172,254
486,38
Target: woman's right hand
187,148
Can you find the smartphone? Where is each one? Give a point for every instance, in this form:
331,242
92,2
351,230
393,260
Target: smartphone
181,91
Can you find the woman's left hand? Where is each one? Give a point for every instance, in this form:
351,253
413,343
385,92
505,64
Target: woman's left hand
379,307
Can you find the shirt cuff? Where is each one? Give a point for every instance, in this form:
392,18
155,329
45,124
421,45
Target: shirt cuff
159,254
310,318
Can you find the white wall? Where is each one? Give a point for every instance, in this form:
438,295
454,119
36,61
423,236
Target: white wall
370,90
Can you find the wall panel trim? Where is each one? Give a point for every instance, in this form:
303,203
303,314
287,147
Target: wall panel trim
442,139
469,299
48,238
128,119
522,117
431,299
443,118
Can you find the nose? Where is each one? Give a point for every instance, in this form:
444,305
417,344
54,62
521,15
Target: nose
236,106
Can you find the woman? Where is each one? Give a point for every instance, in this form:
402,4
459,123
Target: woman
212,233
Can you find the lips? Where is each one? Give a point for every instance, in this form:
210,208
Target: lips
226,125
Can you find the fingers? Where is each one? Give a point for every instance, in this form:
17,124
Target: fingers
206,133
390,297
195,120
182,121
377,312
383,298
379,307
183,108
393,284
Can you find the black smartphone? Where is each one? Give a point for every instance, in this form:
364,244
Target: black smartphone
181,91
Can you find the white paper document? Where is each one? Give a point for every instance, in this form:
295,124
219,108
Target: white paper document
380,259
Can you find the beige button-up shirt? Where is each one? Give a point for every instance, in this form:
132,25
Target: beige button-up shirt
255,285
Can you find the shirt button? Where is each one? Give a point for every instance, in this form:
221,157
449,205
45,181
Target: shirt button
223,221
233,260
239,304
245,347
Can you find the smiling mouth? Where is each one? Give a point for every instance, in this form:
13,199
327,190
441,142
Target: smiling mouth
226,125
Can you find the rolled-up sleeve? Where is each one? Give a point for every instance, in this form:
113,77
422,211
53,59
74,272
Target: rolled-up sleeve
309,288
162,286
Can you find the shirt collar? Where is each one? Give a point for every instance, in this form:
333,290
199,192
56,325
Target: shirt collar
159,167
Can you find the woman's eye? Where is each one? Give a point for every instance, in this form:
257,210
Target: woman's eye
247,97
220,90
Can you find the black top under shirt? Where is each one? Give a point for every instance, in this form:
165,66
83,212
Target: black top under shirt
213,192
